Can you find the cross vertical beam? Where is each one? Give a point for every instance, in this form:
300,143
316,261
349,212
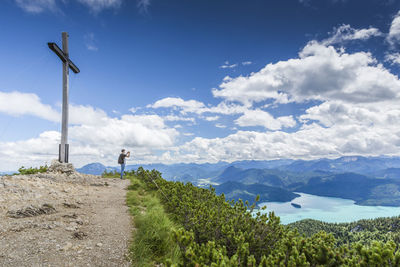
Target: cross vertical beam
63,153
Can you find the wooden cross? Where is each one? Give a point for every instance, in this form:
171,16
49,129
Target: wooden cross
63,150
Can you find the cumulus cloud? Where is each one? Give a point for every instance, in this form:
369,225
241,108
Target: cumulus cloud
310,142
131,131
79,114
93,135
347,33
36,151
319,73
393,58
18,104
143,134
176,102
394,32
262,118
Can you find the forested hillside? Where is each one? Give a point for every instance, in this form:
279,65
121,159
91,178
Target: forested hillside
362,231
235,190
210,231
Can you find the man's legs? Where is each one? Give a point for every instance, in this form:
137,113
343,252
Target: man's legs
122,170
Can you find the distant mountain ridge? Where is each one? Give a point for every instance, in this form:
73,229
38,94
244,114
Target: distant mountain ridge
368,181
356,164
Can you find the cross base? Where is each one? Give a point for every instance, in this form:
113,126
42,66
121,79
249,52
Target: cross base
66,155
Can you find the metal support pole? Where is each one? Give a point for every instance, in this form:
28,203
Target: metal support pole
63,153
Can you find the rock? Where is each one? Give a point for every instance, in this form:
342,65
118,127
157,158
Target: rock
70,228
73,216
79,235
31,211
70,205
99,244
59,167
67,246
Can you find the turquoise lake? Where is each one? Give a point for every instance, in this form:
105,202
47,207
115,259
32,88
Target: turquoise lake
327,209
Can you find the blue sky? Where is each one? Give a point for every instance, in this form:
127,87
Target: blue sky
201,81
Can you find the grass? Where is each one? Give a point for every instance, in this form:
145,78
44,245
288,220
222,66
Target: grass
152,239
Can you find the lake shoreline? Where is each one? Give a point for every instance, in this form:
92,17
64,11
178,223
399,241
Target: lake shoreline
327,209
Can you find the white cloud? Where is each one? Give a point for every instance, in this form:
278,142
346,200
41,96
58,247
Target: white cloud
131,131
37,6
194,106
143,5
394,32
19,104
227,65
320,73
393,58
36,151
93,135
144,135
176,102
98,5
310,142
219,125
178,118
134,109
211,118
245,63
334,113
87,115
262,118
346,33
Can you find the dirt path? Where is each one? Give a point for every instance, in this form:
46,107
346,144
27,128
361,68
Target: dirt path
90,225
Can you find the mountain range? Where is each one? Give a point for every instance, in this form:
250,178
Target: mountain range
366,180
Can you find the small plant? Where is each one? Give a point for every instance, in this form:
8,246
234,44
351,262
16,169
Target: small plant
31,170
111,174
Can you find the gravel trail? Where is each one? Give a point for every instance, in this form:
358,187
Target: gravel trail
76,220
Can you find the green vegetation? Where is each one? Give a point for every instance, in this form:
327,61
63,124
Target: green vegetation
362,231
180,224
114,174
212,232
31,170
152,240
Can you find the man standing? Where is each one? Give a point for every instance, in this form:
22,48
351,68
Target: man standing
122,161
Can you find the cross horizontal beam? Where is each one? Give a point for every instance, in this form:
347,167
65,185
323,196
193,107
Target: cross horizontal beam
54,47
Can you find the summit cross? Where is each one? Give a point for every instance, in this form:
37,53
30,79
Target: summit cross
63,150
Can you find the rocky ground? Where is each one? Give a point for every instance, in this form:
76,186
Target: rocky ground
63,218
